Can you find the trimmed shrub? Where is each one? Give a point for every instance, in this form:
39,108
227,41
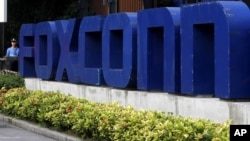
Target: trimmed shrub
10,81
107,121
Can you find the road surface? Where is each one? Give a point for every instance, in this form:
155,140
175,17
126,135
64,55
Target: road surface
9,132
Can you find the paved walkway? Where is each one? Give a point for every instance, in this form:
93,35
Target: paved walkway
9,132
17,130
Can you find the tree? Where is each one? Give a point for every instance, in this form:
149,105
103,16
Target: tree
33,11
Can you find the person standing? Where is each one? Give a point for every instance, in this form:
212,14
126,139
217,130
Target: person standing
13,50
12,54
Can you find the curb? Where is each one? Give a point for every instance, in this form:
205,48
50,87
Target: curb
39,130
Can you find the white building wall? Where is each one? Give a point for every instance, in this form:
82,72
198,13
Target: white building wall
188,106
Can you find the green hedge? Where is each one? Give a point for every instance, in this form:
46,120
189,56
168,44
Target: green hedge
110,122
11,80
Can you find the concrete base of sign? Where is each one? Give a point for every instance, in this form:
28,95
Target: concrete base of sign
188,106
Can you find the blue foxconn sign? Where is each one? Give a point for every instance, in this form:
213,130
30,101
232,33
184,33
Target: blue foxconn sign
201,48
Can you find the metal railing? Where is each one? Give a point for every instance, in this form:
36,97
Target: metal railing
9,63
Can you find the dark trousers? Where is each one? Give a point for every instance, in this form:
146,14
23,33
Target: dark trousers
12,65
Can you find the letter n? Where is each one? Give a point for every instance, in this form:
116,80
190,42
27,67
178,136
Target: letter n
215,49
159,49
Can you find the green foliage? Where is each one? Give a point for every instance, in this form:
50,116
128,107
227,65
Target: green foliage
30,11
164,3
107,122
11,81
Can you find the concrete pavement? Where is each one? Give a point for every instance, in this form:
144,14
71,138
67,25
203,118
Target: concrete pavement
9,132
17,130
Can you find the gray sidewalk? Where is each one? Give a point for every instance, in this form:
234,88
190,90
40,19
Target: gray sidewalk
17,130
9,132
